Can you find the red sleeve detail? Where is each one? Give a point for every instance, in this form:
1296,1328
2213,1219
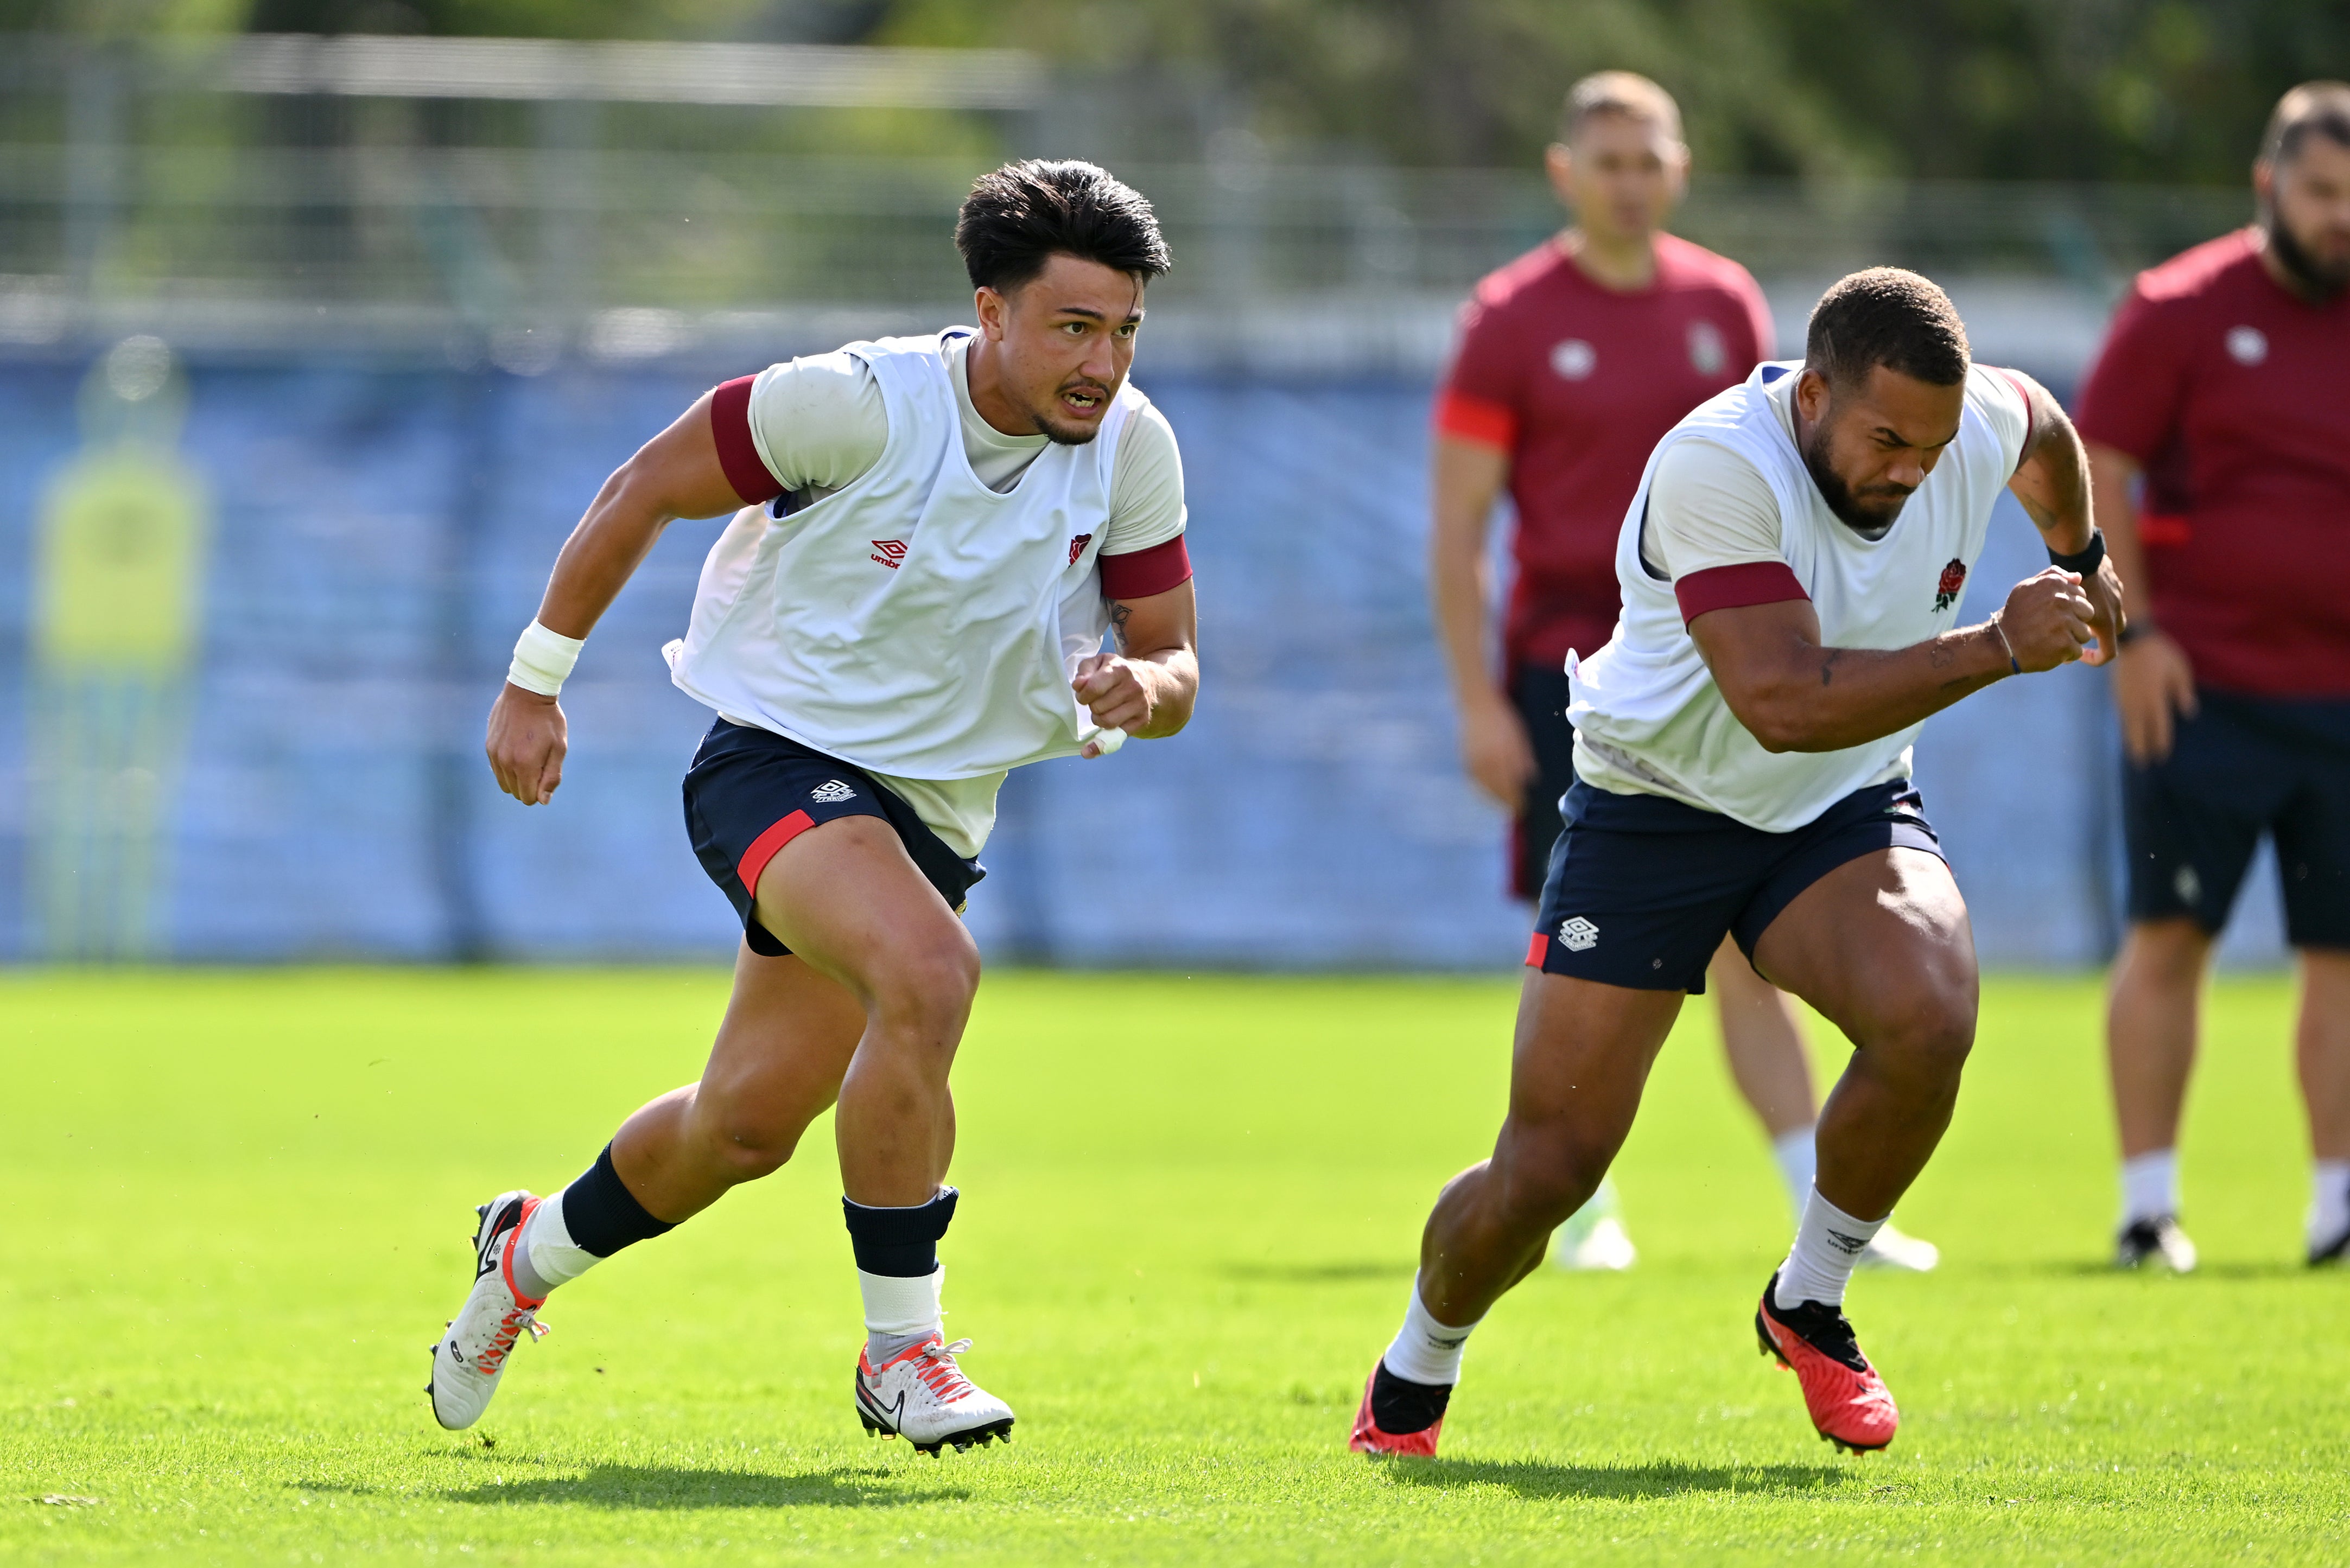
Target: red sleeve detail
738,454
1139,573
1469,419
1735,588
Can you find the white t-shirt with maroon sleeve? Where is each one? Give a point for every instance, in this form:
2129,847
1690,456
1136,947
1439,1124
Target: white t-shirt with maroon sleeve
1727,503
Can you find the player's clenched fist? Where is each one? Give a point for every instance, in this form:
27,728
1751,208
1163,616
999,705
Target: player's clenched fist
2046,621
526,742
1113,692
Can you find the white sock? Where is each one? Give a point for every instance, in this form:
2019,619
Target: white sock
1427,1351
901,1311
2149,1186
546,1256
2329,1201
1798,1164
1828,1242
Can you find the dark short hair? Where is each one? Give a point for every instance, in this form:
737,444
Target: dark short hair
1891,318
2313,108
1023,214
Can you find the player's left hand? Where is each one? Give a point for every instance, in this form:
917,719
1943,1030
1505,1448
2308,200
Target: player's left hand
2102,589
1114,693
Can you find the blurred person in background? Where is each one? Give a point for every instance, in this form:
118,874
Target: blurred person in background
1574,361
2218,425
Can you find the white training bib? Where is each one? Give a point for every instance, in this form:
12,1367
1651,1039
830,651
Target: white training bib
1646,711
915,623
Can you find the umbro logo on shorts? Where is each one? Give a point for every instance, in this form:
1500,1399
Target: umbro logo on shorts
831,791
1577,935
890,552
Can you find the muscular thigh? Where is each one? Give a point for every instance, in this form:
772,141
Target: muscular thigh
845,897
781,1052
1874,944
1584,1050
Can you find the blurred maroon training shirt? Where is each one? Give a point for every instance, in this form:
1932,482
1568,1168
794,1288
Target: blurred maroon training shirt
2234,396
1577,383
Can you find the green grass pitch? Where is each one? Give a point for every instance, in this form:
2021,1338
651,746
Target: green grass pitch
234,1206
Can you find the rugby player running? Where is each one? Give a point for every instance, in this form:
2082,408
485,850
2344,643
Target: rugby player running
1791,571
1574,360
934,535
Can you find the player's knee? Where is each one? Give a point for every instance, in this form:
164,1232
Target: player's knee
1931,1028
927,985
1544,1179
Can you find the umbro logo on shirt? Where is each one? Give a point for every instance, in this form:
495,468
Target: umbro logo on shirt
1577,934
890,552
831,792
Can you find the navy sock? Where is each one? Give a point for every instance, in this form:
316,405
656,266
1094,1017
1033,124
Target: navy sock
900,1242
602,1215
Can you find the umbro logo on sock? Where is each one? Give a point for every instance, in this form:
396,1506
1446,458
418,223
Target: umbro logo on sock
1846,1244
1577,934
831,791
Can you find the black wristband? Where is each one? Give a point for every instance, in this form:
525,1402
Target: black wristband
2131,632
2088,560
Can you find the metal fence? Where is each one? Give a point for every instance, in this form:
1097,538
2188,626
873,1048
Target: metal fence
533,187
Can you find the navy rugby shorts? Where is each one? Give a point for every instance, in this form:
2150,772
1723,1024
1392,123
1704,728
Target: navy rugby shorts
1641,890
750,792
2242,767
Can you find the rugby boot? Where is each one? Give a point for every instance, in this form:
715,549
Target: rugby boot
1846,1398
1400,1417
921,1395
2155,1240
1892,1249
469,1360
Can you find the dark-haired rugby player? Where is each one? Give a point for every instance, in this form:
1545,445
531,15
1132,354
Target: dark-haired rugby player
2225,387
934,535
1572,360
1793,571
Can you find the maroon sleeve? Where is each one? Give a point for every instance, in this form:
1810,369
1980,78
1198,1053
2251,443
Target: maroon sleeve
1765,337
1139,573
738,454
1478,398
1736,586
2130,399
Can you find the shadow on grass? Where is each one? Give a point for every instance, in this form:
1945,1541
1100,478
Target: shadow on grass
1321,1273
660,1486
2097,1268
1535,1478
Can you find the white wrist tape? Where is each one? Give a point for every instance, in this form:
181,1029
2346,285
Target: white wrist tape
543,659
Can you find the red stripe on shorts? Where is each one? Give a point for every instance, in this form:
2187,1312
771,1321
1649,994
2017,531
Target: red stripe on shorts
762,850
738,454
1139,574
1735,588
1537,950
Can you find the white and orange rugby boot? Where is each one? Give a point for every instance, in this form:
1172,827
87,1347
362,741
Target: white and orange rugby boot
468,1360
1400,1417
1847,1401
921,1395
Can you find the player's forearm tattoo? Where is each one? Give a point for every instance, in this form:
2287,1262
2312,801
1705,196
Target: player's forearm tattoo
1940,654
1827,665
1119,615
